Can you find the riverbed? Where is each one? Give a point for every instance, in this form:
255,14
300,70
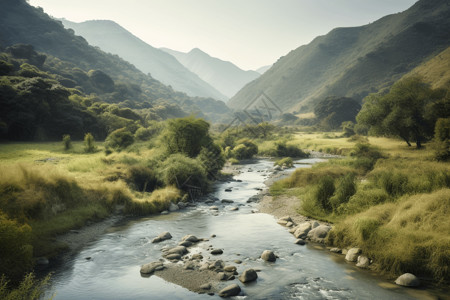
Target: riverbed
109,267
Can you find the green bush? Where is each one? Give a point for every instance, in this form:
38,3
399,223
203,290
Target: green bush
363,199
441,143
323,192
184,172
345,188
67,142
212,159
142,178
244,150
89,143
119,139
29,288
283,150
15,248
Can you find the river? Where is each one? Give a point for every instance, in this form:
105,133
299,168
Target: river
109,267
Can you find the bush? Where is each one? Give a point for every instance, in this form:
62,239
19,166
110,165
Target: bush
244,150
441,143
89,143
142,178
283,150
28,289
323,192
15,248
119,139
185,173
345,188
67,142
212,159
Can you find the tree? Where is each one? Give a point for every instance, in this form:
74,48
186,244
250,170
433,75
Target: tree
403,112
89,143
119,139
186,135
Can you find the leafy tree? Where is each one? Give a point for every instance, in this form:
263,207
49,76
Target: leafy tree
184,172
186,135
244,150
212,159
403,112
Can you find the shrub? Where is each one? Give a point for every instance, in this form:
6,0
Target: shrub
142,178
212,159
29,288
441,143
244,150
15,248
283,150
363,199
323,192
184,172
67,142
119,139
345,188
89,143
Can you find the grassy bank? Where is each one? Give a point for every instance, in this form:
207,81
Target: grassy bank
390,200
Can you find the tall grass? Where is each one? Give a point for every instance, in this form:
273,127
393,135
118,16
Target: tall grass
159,200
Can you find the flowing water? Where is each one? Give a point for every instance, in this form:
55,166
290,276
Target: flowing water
109,267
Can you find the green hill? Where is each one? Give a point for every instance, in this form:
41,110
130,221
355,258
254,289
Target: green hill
67,53
435,71
354,62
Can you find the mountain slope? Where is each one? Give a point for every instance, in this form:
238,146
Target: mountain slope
223,75
435,71
353,62
111,37
262,70
22,23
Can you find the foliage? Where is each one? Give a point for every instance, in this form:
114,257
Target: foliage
15,248
408,111
67,142
185,173
29,288
345,188
212,159
142,178
323,192
89,143
158,201
119,139
441,143
283,150
186,136
245,149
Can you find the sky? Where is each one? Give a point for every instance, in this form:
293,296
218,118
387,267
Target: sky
249,33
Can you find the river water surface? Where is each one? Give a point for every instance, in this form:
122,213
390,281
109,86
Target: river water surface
109,267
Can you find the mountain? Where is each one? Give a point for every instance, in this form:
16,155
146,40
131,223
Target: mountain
75,61
354,62
435,71
111,37
223,75
263,70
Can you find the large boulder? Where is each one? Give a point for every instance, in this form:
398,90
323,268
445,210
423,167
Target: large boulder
248,276
191,238
151,267
407,279
301,231
162,237
319,233
268,255
352,254
181,250
230,291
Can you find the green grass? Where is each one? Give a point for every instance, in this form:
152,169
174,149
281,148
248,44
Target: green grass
396,208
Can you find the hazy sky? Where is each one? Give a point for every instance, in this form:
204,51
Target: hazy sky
249,33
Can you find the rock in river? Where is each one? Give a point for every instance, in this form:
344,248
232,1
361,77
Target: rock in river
230,291
407,279
302,230
151,267
319,233
162,237
248,276
216,251
268,255
352,254
363,262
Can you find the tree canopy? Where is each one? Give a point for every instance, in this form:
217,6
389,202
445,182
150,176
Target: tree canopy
409,111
